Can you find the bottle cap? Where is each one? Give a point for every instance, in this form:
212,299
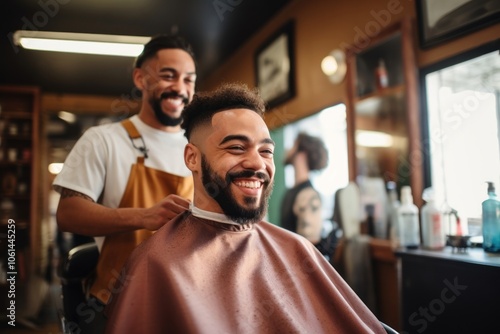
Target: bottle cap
491,187
406,196
428,194
391,185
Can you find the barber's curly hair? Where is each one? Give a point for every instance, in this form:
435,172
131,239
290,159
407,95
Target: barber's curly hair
160,42
227,96
315,149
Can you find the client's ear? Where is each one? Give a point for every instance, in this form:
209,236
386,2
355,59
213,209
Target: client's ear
191,157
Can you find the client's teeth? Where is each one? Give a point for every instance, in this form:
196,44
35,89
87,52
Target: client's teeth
248,184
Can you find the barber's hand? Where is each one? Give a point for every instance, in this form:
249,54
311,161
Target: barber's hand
159,214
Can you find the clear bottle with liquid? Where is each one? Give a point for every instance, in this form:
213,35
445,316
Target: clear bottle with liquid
393,206
491,221
409,228
433,235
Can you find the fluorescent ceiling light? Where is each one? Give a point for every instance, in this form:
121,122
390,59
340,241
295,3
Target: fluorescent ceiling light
66,116
111,45
373,139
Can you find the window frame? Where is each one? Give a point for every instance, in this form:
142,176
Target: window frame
424,120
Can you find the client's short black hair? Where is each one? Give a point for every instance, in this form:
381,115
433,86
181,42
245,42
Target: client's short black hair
227,96
161,42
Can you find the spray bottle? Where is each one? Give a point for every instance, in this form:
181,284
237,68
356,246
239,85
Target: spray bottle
491,221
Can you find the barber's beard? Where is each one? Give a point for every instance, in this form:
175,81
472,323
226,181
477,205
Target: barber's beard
163,118
220,190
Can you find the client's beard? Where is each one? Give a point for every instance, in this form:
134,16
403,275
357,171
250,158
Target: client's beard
220,190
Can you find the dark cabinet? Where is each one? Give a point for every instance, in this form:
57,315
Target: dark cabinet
446,292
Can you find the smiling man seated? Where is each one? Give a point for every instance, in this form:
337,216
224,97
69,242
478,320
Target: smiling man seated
218,268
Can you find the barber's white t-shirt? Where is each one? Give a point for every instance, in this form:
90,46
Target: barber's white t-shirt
101,159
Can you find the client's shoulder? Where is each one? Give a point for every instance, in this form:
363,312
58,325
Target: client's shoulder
283,235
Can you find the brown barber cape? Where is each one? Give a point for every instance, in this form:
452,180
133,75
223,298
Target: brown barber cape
200,276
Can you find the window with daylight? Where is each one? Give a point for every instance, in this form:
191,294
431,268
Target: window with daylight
463,137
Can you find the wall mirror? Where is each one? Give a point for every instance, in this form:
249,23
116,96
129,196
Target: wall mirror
383,109
381,141
329,124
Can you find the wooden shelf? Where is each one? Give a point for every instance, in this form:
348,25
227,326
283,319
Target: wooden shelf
19,189
21,115
382,93
15,163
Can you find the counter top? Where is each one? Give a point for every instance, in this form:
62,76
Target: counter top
472,255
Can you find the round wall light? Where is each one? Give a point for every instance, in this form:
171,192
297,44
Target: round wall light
334,66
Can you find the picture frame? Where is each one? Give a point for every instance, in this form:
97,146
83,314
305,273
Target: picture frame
441,21
275,66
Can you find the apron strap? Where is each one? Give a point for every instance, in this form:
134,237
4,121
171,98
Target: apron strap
134,134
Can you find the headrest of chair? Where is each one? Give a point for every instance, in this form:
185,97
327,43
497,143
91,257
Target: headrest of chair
80,262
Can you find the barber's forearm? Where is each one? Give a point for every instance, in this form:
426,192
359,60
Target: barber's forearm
81,215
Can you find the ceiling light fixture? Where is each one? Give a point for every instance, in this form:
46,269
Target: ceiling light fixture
110,45
367,138
67,116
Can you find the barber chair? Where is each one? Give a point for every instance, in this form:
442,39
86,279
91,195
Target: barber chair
73,270
388,329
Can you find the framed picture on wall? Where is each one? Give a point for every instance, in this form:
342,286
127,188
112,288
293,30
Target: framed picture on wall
440,21
274,67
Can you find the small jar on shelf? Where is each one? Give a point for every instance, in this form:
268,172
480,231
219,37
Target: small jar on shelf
13,129
26,154
381,77
12,154
26,129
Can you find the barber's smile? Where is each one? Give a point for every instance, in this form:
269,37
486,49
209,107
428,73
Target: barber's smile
173,100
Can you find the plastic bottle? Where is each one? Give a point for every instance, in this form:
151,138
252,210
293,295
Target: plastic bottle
393,206
409,229
370,219
433,236
491,221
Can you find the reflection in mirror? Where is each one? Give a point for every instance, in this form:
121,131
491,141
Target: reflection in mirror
380,113
330,125
381,137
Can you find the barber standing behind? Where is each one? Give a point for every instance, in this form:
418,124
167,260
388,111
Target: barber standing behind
116,180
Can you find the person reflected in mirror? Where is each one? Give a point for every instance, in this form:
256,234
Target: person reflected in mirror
301,209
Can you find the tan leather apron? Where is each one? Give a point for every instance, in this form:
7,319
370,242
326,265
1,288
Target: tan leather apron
145,187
